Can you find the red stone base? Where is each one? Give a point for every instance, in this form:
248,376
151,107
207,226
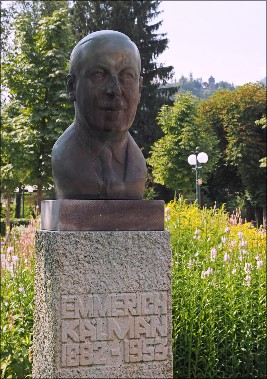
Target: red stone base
110,215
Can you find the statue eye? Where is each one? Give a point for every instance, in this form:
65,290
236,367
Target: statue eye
127,75
98,75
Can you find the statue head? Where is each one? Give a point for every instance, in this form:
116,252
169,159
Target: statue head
104,82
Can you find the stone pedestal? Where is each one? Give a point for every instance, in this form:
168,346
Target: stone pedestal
102,215
102,304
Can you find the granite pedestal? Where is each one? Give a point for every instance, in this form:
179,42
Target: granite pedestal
102,300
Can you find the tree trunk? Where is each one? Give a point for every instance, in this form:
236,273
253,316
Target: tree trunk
259,218
8,206
264,221
250,213
18,203
39,197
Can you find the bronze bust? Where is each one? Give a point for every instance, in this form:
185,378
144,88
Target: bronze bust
96,157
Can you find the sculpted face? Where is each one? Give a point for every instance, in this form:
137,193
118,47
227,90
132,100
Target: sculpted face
107,84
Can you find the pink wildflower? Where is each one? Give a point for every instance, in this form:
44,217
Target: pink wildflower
167,213
247,267
233,243
213,253
243,243
226,257
190,263
240,235
227,229
234,271
259,263
4,261
197,234
248,279
208,272
223,239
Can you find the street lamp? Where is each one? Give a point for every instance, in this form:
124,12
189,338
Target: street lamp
30,190
196,160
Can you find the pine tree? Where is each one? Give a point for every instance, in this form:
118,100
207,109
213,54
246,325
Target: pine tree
133,18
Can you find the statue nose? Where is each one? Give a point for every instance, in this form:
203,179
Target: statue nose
113,87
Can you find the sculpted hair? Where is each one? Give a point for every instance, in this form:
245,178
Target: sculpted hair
100,35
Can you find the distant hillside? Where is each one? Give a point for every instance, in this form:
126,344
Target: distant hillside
199,88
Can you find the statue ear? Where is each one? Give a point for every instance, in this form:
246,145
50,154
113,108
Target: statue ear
140,84
140,87
71,87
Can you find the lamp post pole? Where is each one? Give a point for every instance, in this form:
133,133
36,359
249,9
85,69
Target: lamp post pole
196,160
197,168
23,193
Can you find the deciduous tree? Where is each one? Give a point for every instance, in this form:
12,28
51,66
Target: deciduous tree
34,72
233,116
184,130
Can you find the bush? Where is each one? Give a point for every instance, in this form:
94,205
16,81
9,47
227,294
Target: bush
14,222
219,298
17,264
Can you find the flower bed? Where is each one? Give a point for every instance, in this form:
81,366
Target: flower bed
219,295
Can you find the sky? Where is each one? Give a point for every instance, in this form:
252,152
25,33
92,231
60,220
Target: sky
223,39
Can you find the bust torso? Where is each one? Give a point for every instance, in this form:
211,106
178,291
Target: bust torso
81,172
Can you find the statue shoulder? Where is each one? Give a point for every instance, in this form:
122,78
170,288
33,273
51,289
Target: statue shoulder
64,142
135,155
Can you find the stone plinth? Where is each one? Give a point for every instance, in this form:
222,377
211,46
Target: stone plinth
102,305
102,215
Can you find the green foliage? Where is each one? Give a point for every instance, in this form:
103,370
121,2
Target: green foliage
262,122
233,116
192,85
183,130
13,168
14,222
17,266
219,294
34,69
199,88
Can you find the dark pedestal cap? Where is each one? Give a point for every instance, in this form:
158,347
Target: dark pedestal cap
107,215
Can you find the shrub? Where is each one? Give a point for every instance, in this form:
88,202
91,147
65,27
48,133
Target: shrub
219,294
17,302
14,222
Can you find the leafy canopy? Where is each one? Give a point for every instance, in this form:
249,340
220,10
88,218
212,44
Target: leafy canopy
184,130
34,71
234,116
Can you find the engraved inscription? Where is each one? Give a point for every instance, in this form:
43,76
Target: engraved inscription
112,329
